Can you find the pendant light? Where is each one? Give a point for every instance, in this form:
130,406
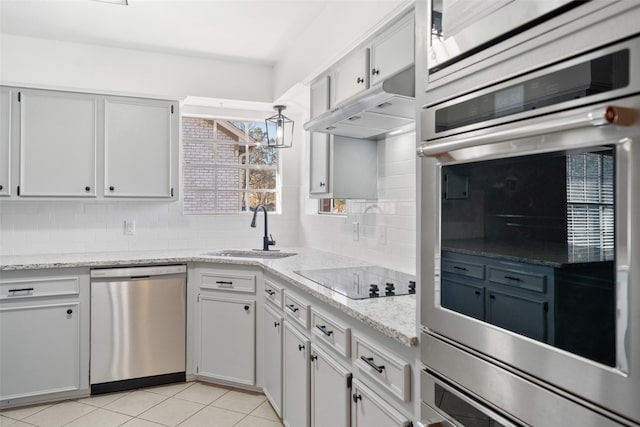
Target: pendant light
279,129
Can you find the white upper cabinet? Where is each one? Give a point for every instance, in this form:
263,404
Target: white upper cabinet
58,140
319,167
139,139
393,50
351,75
320,96
6,96
343,168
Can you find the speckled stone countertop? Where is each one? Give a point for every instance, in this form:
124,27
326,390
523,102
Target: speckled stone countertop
553,255
394,317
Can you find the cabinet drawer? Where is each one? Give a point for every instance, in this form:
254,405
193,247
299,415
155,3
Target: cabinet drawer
273,293
296,310
388,370
41,287
463,268
531,281
334,334
228,282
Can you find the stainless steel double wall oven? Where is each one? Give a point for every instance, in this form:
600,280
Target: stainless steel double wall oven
530,225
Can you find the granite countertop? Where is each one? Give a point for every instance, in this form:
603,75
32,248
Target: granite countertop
394,317
553,255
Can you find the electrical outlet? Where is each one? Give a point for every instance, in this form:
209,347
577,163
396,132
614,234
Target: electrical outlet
382,234
129,227
356,231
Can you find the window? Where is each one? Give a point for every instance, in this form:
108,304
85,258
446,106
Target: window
590,189
333,206
226,168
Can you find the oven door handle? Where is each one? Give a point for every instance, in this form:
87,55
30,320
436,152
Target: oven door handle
609,115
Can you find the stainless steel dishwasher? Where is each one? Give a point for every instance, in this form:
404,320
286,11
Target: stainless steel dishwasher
138,324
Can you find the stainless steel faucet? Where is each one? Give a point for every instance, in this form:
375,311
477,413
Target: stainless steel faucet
267,240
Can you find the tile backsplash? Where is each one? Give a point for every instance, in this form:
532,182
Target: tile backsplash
386,226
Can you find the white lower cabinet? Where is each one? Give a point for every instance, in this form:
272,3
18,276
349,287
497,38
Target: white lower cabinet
225,323
272,378
44,335
227,339
295,378
370,410
330,391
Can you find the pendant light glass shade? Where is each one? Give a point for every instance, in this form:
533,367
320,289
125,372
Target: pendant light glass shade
279,129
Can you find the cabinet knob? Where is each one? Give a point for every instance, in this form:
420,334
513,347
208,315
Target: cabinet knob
111,188
375,72
313,357
300,347
276,324
69,311
322,184
1,187
246,308
360,80
87,188
356,397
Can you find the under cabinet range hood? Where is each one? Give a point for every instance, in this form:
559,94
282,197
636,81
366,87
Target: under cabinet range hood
383,108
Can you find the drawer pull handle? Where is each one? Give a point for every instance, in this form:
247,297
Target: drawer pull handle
271,292
369,361
517,279
477,292
21,290
356,397
300,347
224,282
323,328
459,268
292,307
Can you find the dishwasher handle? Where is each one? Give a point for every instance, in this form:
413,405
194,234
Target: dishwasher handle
138,272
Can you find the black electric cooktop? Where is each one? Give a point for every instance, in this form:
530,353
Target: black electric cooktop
363,282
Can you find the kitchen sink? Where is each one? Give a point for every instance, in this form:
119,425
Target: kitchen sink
254,253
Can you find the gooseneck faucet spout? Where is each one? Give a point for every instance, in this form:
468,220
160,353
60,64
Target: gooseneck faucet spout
267,240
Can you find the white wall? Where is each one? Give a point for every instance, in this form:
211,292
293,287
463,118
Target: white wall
58,64
387,225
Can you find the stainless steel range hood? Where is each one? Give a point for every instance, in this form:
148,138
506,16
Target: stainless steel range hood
385,107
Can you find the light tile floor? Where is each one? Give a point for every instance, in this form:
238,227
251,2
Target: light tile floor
192,404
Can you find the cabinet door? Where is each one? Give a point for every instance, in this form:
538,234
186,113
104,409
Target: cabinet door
330,392
58,137
138,148
462,297
273,358
296,378
6,96
520,314
320,100
370,410
319,164
351,75
393,50
40,351
227,353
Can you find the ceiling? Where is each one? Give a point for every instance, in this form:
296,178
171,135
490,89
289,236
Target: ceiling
259,31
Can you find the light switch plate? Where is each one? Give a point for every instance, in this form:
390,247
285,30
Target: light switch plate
129,227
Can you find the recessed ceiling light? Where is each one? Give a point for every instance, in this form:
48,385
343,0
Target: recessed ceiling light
120,2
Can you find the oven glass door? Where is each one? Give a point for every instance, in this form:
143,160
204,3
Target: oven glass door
528,245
